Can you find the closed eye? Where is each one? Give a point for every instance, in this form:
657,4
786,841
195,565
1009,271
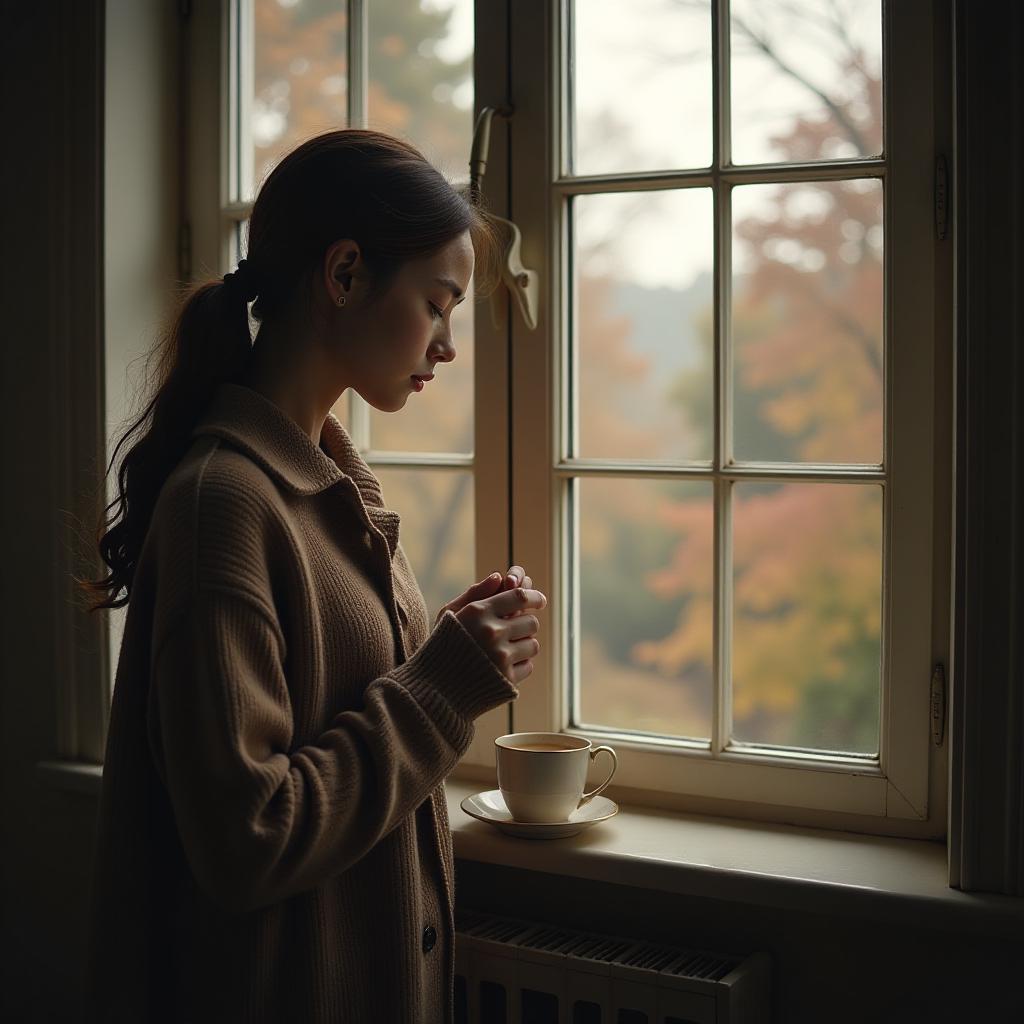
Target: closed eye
435,312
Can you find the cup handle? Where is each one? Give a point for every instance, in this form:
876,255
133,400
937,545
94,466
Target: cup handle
587,797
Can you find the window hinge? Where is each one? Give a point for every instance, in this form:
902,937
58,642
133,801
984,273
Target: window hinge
941,197
937,704
184,251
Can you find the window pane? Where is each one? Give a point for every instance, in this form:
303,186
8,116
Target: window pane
807,322
643,308
645,577
421,77
440,417
437,532
640,85
807,584
806,80
421,88
300,85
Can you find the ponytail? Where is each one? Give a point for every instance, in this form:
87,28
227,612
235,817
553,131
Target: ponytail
208,342
353,183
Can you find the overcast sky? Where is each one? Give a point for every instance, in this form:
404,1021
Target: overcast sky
645,80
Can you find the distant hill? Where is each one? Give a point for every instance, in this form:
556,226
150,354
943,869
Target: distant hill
663,321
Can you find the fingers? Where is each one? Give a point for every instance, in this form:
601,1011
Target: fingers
509,581
523,650
515,577
520,671
521,626
488,585
518,600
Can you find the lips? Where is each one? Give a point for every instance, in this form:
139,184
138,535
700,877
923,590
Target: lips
428,376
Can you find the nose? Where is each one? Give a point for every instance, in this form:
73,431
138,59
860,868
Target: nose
444,352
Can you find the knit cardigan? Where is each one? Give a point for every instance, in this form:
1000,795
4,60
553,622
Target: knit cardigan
273,841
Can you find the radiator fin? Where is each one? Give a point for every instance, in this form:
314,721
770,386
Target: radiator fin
606,949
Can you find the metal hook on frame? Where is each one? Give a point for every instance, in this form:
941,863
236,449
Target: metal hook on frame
523,284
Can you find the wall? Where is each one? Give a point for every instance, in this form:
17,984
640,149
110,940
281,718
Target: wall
69,187
141,208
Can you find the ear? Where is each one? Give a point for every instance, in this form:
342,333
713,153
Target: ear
342,261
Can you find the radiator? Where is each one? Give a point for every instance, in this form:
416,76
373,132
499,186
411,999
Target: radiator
513,971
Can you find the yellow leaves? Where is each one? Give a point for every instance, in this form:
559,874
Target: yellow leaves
690,643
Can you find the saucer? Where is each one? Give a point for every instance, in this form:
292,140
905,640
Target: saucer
490,806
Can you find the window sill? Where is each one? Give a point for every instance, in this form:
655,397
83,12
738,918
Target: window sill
868,877
876,878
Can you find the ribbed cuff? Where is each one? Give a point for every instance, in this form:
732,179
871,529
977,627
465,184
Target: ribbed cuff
451,673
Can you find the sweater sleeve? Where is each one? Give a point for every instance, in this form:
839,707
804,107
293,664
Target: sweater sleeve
260,821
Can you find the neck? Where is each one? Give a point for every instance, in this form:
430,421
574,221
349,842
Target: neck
291,372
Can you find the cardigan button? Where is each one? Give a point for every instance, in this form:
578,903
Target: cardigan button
429,938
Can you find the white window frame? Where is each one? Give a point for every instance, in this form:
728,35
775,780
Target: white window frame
520,514
904,792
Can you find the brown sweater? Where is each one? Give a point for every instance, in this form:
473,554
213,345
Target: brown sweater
273,841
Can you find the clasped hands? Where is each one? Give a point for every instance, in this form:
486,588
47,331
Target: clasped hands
495,611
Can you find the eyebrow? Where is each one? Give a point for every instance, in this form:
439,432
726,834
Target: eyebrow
449,283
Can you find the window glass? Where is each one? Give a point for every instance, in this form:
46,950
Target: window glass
300,77
640,86
806,79
643,312
807,608
645,588
807,322
800,348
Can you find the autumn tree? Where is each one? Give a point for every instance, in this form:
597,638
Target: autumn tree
808,387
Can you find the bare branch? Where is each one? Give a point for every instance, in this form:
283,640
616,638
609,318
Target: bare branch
834,109
761,43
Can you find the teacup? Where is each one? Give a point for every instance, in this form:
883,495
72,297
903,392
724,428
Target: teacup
542,775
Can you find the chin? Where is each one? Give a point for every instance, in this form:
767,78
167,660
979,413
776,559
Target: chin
388,404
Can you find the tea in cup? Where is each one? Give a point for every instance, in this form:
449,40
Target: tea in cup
542,775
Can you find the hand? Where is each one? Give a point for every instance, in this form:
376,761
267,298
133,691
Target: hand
502,627
493,584
513,641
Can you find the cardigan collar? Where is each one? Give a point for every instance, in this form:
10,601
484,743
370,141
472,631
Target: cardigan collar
271,438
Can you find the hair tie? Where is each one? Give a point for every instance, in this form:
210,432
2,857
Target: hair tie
242,282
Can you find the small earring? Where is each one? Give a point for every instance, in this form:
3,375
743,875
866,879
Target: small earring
341,300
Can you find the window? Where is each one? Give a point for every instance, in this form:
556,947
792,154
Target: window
723,434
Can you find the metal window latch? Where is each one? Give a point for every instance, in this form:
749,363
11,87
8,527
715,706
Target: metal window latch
523,284
937,704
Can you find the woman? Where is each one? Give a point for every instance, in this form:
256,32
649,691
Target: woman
273,838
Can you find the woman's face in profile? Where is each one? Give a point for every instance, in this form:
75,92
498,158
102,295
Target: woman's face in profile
407,330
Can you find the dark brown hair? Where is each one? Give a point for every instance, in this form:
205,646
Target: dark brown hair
353,183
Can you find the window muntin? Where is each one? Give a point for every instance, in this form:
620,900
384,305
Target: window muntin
774,585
